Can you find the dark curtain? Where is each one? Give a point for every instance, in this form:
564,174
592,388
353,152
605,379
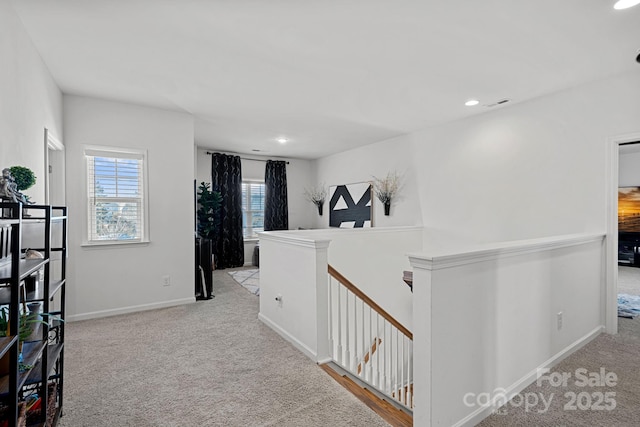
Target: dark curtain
276,211
226,177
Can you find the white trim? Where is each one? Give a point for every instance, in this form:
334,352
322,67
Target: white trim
130,309
290,338
108,243
289,239
611,267
53,143
500,250
50,143
483,412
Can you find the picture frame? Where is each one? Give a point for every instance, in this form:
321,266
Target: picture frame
350,205
629,209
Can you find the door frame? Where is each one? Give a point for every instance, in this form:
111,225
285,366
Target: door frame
50,143
611,257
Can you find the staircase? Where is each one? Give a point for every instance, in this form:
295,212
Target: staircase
391,413
371,352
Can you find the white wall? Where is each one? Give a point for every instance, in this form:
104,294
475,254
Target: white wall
629,170
361,165
374,260
30,101
300,174
492,320
111,280
527,170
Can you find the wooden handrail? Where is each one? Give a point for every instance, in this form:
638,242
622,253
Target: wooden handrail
357,292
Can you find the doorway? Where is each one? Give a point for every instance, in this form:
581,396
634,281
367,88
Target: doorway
619,249
54,158
629,230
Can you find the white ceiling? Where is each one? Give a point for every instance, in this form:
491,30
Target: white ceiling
329,75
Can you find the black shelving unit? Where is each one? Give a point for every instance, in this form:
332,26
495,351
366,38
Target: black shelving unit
33,281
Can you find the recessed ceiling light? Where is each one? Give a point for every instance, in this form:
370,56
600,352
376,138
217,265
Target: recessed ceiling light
625,4
472,102
282,140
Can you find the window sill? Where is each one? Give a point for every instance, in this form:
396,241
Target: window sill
112,244
251,239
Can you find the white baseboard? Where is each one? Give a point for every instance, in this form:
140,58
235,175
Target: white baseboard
130,309
287,336
483,412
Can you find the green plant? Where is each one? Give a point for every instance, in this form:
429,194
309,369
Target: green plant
208,211
27,320
24,177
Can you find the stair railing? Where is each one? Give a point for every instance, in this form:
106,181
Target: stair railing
368,342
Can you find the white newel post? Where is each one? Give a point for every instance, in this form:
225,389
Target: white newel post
422,393
322,302
293,290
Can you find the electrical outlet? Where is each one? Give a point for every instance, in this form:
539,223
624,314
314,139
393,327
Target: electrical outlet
166,280
559,320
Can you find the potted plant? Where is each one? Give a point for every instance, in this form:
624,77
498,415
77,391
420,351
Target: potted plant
23,176
386,188
208,214
27,322
316,196
209,203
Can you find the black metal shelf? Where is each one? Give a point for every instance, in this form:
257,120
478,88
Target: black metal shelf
6,343
27,267
31,352
53,352
32,296
45,354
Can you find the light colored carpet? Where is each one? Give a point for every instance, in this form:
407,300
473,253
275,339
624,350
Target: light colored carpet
212,363
248,279
619,354
628,280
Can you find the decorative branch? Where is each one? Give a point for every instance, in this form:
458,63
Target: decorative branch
386,188
316,195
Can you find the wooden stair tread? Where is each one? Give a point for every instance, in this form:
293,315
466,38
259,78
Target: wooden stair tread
391,414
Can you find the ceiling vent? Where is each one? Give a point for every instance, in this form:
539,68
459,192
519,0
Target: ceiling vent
495,104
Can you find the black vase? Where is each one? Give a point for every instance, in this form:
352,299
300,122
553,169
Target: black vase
387,207
320,208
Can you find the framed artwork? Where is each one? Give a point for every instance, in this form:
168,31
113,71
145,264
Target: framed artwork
629,209
350,205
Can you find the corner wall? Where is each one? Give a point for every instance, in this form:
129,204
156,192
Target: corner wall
30,101
533,169
110,280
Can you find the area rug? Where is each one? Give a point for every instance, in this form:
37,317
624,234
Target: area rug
628,306
248,279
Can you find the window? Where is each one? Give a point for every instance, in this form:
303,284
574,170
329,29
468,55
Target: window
252,208
116,196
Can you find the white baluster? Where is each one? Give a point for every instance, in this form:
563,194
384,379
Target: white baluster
354,362
376,374
387,359
370,363
401,361
347,352
409,372
395,371
339,349
332,351
364,349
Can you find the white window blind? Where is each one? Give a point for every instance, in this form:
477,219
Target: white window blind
116,196
252,208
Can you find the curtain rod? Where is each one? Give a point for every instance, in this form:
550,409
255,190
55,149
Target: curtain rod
245,158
